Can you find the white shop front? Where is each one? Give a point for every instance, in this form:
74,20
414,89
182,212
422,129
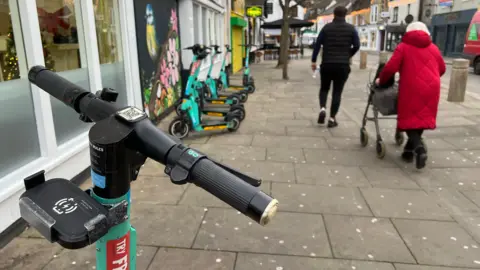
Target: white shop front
369,37
90,42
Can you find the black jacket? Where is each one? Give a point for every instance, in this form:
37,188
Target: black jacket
340,42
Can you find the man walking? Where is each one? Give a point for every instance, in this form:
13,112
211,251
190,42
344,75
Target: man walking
340,42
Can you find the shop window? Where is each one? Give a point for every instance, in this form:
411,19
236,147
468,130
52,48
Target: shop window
395,14
110,51
64,52
20,144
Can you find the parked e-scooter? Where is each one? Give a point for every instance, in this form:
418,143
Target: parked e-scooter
121,139
223,82
190,114
196,90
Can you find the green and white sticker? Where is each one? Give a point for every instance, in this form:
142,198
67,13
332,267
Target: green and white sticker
473,35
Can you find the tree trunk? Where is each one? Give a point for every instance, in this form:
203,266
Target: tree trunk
284,41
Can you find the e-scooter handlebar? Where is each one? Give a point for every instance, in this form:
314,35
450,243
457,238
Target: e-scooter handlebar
150,141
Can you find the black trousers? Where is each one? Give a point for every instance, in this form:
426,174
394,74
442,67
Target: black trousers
414,140
338,74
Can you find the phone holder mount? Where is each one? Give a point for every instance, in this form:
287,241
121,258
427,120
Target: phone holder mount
62,212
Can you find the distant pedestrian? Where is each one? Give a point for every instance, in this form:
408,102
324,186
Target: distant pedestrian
421,65
340,42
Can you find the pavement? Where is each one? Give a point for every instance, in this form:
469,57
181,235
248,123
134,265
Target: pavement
341,208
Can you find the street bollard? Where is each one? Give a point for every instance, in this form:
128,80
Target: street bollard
458,80
383,57
363,59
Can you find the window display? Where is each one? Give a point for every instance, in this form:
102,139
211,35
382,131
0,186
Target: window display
110,51
18,124
64,52
373,40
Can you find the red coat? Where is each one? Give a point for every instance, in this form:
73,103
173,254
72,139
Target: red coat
420,65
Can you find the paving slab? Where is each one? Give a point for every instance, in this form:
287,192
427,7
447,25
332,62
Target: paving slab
232,152
424,267
263,128
448,159
389,178
289,142
439,243
473,155
293,155
346,158
27,253
366,239
454,202
82,259
290,123
330,175
173,226
150,168
318,199
260,262
315,131
454,121
156,190
459,178
196,196
439,144
231,139
174,259
409,204
228,230
265,170
450,132
464,143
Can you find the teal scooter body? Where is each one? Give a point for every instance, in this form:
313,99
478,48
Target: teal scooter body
211,82
190,118
248,83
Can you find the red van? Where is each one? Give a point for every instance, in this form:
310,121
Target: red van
471,49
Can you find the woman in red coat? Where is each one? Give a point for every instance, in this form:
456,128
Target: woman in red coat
420,65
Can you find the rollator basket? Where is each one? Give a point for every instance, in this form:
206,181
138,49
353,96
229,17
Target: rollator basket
385,99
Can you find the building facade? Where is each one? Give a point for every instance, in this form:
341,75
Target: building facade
449,25
398,20
238,26
91,43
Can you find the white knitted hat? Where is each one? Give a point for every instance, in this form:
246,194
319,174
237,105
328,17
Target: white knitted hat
418,26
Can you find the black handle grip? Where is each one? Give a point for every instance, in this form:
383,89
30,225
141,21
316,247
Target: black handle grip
60,88
247,199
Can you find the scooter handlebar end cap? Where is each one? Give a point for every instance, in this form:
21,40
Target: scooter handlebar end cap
269,212
33,72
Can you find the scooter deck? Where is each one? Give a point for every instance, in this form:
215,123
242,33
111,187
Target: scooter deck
214,125
224,93
235,87
215,111
207,106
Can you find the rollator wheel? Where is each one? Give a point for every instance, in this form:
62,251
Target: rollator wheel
399,139
238,111
243,97
381,149
251,88
363,137
179,128
235,124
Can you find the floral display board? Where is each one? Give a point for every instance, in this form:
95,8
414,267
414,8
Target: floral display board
158,45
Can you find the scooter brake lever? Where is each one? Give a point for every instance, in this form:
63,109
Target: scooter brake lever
248,179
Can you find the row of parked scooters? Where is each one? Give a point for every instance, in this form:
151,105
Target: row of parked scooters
209,93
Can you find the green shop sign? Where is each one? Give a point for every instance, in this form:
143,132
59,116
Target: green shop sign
254,11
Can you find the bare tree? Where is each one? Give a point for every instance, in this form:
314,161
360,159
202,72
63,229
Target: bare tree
285,33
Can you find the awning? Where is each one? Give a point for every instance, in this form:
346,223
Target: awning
293,23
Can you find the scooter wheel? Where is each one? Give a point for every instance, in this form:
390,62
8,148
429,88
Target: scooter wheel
238,111
179,128
178,110
236,100
243,97
235,124
251,89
